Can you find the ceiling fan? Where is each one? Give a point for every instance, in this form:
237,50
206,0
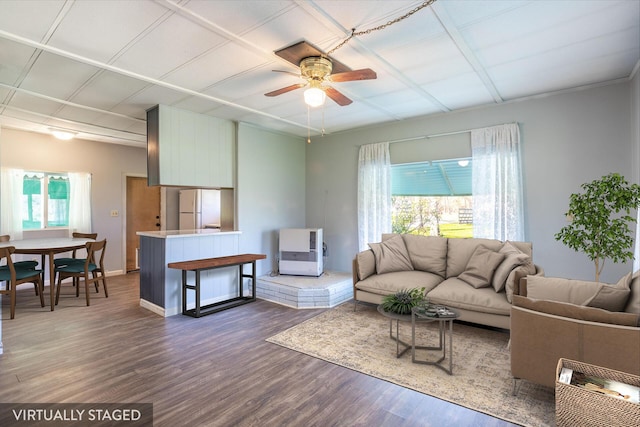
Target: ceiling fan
318,70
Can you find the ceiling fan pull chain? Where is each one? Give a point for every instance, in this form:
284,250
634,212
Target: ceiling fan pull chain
381,27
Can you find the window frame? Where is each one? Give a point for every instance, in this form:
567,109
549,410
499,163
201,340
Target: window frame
45,202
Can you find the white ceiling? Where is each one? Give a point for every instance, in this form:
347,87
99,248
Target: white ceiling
95,67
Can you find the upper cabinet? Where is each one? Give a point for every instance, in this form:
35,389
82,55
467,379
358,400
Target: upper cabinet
189,149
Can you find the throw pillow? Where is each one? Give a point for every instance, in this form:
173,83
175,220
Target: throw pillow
633,303
391,255
513,258
427,253
481,267
612,297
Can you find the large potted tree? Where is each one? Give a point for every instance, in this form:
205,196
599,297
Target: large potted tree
600,220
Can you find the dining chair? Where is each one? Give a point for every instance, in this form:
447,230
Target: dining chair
74,255
25,265
29,265
58,262
13,277
91,270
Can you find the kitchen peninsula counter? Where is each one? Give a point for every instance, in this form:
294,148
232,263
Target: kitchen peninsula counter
161,287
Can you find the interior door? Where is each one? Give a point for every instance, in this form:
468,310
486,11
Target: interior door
143,214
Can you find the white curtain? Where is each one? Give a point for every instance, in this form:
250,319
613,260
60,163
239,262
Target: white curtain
498,211
374,193
79,203
11,202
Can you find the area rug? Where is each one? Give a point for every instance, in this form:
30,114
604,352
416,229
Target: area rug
481,377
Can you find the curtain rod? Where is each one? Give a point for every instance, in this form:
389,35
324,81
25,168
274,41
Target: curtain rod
415,138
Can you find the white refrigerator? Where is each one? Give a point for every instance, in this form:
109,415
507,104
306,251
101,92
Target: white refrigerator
199,209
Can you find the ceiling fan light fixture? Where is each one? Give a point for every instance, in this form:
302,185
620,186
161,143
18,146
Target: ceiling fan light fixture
314,96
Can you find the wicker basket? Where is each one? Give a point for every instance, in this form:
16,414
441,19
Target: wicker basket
576,406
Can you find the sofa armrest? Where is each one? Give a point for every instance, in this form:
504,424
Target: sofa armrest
514,284
354,271
364,265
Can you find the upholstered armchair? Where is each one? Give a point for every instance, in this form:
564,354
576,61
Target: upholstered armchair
590,322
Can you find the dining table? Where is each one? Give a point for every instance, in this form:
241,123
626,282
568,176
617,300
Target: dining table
47,247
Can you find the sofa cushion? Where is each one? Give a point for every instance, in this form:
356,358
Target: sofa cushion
389,283
513,258
524,247
366,264
456,293
481,266
633,303
391,255
578,312
580,292
613,297
459,252
427,253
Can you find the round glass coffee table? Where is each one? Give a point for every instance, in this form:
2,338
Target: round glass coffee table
444,316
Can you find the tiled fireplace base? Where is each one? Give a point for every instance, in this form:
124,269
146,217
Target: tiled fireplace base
328,290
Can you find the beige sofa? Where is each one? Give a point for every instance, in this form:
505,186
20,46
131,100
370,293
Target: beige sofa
590,322
474,276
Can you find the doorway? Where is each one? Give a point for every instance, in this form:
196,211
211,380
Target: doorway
143,214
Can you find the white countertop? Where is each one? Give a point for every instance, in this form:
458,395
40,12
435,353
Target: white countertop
168,234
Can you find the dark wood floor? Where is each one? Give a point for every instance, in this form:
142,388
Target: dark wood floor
214,371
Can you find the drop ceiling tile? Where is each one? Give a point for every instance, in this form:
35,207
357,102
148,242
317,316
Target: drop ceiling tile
560,19
30,103
147,98
216,65
582,35
14,57
462,91
102,29
404,103
56,76
245,15
467,12
107,90
168,47
288,28
18,17
533,76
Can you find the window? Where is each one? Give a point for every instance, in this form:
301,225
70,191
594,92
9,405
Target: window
432,198
45,199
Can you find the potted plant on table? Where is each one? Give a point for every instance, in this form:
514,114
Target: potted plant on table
600,219
403,301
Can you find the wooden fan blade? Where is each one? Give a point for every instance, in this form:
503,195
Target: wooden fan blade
363,74
337,97
285,89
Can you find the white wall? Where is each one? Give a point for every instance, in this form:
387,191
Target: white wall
270,191
568,139
107,163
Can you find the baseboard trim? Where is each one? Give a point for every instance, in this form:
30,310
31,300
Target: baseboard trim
152,307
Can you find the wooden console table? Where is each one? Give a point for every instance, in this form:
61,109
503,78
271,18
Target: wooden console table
200,265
